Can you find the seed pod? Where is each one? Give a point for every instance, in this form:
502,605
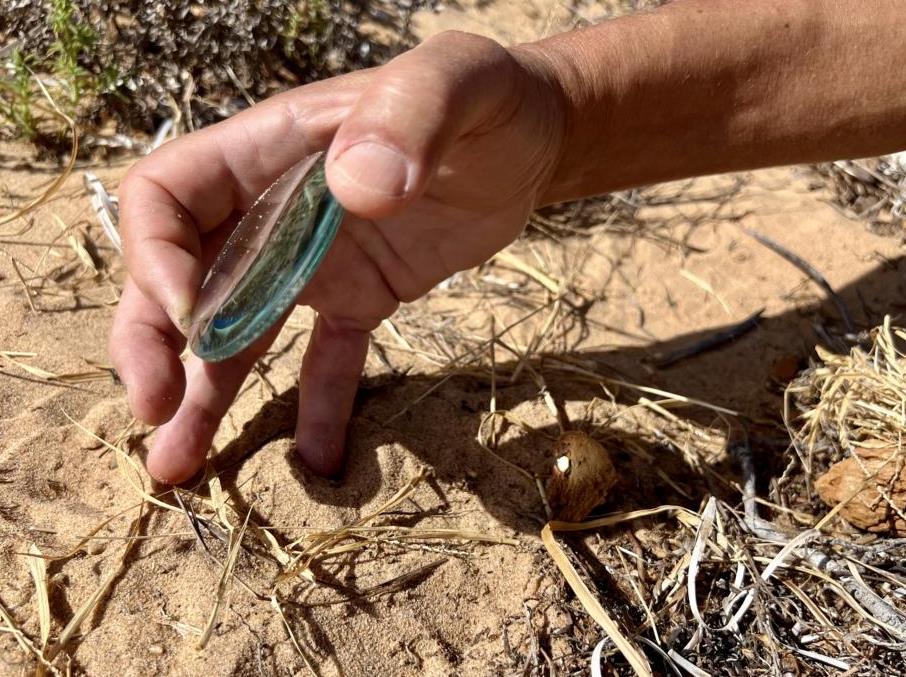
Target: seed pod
580,478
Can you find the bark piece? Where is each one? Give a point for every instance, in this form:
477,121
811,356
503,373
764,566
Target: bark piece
883,467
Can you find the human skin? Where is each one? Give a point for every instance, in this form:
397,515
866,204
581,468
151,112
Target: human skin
440,156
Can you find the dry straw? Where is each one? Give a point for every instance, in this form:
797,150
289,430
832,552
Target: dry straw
67,169
215,515
850,401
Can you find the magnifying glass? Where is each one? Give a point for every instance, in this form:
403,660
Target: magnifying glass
270,257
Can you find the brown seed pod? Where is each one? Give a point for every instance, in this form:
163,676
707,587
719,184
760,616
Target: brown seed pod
868,509
580,478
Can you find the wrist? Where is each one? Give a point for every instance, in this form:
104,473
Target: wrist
546,90
583,86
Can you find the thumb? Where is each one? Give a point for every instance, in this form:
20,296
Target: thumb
388,148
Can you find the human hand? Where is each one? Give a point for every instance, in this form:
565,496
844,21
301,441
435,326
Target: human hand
438,158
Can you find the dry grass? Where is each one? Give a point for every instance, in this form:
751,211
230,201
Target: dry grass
851,400
716,588
55,185
131,68
871,191
219,527
764,597
728,591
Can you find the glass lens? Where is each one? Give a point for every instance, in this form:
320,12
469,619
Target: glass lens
269,258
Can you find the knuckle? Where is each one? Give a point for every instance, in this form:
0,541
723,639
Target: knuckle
291,116
405,295
468,51
207,418
453,68
463,41
128,185
131,189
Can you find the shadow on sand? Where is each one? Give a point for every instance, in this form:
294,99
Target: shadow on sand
737,375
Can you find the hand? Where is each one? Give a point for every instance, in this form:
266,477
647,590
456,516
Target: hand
438,158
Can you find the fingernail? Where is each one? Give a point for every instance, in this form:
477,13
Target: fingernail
180,313
375,168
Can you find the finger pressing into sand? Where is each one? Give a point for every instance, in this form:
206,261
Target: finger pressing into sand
180,447
145,347
328,382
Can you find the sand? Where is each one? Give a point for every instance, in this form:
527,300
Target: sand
473,609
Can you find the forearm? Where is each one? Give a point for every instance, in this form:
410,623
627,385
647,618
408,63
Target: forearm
706,86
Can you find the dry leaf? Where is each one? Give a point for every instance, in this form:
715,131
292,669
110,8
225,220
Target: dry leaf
861,481
38,568
627,647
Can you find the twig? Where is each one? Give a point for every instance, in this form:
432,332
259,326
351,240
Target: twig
809,270
27,289
711,342
883,613
105,208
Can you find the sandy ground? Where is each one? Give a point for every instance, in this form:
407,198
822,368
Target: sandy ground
645,293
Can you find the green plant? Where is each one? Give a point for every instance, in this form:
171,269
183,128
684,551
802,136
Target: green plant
306,17
72,39
74,44
17,93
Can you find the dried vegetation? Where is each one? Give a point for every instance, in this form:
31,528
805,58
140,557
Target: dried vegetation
725,581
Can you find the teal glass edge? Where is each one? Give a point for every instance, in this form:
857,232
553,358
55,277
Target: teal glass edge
228,333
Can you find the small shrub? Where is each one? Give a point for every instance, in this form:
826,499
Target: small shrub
134,62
